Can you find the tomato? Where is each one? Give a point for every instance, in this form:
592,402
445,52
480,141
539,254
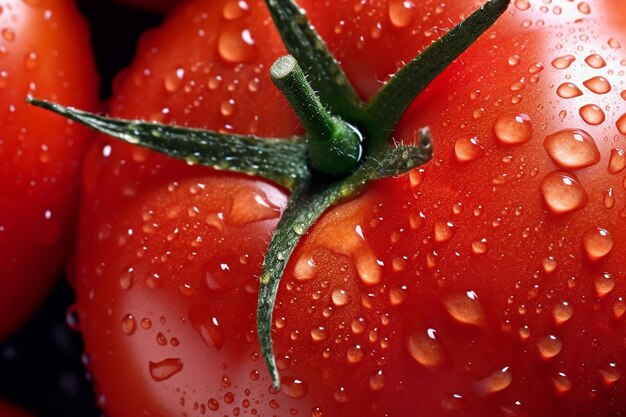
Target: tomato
44,51
488,282
9,410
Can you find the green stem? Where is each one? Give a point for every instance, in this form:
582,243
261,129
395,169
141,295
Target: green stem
384,110
334,146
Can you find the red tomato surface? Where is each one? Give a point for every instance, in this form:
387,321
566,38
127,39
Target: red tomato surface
9,410
45,52
489,282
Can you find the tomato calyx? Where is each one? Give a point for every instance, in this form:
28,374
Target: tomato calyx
344,149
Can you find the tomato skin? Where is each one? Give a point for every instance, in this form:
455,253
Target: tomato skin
454,290
44,51
10,410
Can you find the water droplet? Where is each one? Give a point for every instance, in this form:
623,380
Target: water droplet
228,108
377,381
402,12
522,4
444,231
609,198
126,280
236,45
355,354
293,388
173,79
621,124
604,284
30,61
572,148
8,34
619,308
497,381
479,247
561,383
563,62
513,129
584,7
397,295
514,60
468,148
129,324
614,43
235,9
251,205
610,374
595,61
597,242
549,346
165,369
549,264
563,192
465,308
617,161
562,312
340,297
318,334
426,349
568,90
211,332
598,85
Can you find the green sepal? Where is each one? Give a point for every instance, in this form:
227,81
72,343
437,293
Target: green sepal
303,210
283,161
325,74
385,109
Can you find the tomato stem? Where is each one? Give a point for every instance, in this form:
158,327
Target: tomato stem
334,145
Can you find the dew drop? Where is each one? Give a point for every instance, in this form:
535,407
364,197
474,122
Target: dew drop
514,60
595,61
597,242
465,308
619,308
8,34
402,12
129,325
293,388
549,264
397,295
621,124
563,62
340,297
479,247
522,4
211,332
562,312
30,61
426,349
563,192
617,161
251,205
568,90
561,383
584,7
604,284
173,79
572,148
614,43
497,381
235,45
444,231
610,374
235,9
598,85
355,354
468,149
318,334
609,198
513,129
377,381
549,346
165,369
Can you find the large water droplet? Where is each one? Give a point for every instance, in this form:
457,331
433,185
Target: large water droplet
617,161
604,284
211,332
402,12
563,192
610,374
568,90
497,381
572,148
426,349
562,312
129,324
595,61
468,148
561,383
340,297
563,62
549,346
597,242
444,231
513,129
293,388
165,369
621,124
235,9
465,308
251,205
236,45
598,85
592,114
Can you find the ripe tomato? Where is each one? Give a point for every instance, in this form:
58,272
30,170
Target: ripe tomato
487,283
44,50
9,410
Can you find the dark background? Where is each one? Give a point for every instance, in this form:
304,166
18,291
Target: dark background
40,365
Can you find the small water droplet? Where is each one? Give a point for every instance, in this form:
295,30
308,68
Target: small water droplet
479,247
604,284
402,12
513,129
293,387
426,349
129,325
597,242
568,90
609,198
236,45
562,312
468,148
377,381
561,383
211,332
563,62
173,79
340,297
497,381
584,7
595,61
444,231
522,4
318,334
30,61
598,85
165,369
563,192
614,43
549,346
621,124
514,60
235,9
610,374
8,34
617,161
572,148
465,308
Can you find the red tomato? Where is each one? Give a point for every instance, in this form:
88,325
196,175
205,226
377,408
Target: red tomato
488,283
44,51
9,410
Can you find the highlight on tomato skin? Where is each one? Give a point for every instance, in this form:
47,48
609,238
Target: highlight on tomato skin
44,50
487,283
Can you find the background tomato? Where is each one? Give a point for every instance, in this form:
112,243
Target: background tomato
488,283
44,51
